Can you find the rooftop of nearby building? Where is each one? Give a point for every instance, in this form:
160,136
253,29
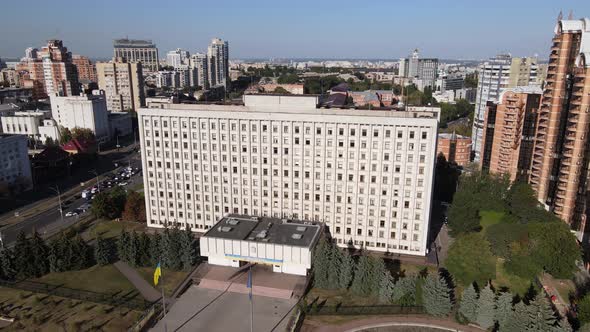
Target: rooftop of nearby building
266,230
452,136
126,42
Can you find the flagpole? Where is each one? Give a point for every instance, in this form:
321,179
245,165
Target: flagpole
163,300
251,305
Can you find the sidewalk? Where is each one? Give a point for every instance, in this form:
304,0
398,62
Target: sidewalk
383,321
147,291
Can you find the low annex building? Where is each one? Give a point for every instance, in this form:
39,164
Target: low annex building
284,244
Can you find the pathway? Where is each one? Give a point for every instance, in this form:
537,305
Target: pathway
147,291
410,320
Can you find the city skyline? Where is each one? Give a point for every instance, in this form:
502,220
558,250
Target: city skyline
463,34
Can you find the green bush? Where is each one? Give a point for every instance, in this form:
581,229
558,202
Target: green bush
502,235
470,259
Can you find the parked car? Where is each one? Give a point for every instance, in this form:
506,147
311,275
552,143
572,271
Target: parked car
71,214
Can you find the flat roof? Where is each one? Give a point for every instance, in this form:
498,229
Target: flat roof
290,232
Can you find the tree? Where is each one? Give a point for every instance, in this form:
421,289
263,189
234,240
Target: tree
346,270
82,254
103,254
334,266
123,246
554,248
7,269
486,307
83,134
39,253
49,141
436,296
288,79
541,315
503,308
320,264
187,249
155,249
518,320
24,259
281,90
133,249
468,305
584,310
134,207
470,259
386,286
109,204
363,282
502,235
404,291
144,250
463,215
64,135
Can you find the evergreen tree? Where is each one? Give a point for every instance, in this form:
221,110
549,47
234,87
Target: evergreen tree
7,270
155,249
102,251
166,247
541,315
385,285
404,291
518,320
468,305
39,251
53,255
66,255
320,264
123,246
81,258
133,249
346,270
503,308
187,249
174,260
363,282
486,307
334,266
436,296
23,262
144,250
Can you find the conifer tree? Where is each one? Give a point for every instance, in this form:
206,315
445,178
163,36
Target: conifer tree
53,255
144,250
81,254
102,251
486,307
404,291
362,284
334,266
385,285
187,249
468,305
518,320
123,246
7,270
133,249
436,296
320,264
346,270
503,308
39,253
155,249
541,315
23,258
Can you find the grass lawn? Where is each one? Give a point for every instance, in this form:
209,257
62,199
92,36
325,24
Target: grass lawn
101,279
112,228
39,312
170,279
336,296
489,218
516,285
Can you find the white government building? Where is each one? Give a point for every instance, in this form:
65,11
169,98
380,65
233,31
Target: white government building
368,175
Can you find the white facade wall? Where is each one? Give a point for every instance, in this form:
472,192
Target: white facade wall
367,174
23,123
82,111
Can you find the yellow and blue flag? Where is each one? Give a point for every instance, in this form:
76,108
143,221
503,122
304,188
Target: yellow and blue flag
157,274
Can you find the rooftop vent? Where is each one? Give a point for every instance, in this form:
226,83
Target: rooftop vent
296,236
225,229
233,221
301,228
261,235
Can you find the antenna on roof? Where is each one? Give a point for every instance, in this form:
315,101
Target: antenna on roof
560,16
570,16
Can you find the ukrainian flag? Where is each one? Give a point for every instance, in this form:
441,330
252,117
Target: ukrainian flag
157,274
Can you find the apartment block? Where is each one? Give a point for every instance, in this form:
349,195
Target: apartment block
137,50
455,148
510,129
122,82
85,68
218,62
559,172
367,174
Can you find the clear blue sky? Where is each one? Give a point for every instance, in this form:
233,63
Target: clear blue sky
472,29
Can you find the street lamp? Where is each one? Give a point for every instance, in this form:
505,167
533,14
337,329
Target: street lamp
61,211
97,183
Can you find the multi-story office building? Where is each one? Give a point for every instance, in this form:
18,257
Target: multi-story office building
218,62
367,174
455,148
85,68
168,78
495,76
85,111
177,58
423,70
559,172
49,71
135,50
122,82
15,167
200,64
508,137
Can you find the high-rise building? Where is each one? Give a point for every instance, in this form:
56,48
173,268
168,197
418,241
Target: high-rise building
559,172
84,111
455,148
168,78
509,132
122,82
218,64
85,68
135,50
422,71
367,174
49,71
496,75
200,64
177,58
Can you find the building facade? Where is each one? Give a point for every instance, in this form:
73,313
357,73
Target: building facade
455,148
177,58
218,62
422,69
367,174
85,111
122,82
508,138
200,64
559,172
136,50
495,76
15,167
85,68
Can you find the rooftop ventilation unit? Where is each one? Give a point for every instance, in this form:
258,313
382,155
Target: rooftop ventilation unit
296,236
224,229
301,228
233,221
261,235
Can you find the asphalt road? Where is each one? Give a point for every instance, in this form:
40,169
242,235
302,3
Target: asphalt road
49,221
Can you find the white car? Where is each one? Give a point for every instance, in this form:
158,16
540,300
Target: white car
123,183
71,214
